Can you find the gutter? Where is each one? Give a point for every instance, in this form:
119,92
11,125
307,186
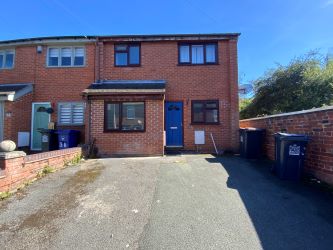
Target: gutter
12,43
86,39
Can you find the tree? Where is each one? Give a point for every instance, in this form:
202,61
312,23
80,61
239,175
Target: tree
305,83
243,103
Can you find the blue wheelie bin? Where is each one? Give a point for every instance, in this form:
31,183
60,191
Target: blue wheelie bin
251,142
68,138
289,155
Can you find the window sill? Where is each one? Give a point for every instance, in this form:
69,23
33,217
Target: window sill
205,123
127,66
70,67
69,125
6,68
203,64
124,131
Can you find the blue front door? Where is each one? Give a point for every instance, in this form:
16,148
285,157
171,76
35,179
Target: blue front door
174,124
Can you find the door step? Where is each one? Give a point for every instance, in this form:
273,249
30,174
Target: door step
173,150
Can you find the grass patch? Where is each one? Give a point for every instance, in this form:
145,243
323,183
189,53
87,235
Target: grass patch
26,183
76,160
5,195
46,170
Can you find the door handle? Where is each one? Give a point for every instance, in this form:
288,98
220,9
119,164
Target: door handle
173,127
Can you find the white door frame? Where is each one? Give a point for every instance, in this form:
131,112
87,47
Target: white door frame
32,121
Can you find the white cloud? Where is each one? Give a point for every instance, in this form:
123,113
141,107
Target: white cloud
327,3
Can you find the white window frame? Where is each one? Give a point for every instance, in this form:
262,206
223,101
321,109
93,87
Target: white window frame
72,56
3,52
70,103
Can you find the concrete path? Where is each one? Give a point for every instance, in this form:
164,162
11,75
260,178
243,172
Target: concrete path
175,202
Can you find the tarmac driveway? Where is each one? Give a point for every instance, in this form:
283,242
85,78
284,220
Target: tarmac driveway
174,202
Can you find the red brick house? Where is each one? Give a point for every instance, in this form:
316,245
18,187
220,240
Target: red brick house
135,95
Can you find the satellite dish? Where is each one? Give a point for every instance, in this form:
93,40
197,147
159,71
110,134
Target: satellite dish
245,90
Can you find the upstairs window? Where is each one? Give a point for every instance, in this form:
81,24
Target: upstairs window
125,116
205,112
127,55
7,59
66,57
193,54
71,113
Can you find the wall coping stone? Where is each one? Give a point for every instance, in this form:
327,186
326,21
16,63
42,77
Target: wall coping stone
11,155
50,154
290,113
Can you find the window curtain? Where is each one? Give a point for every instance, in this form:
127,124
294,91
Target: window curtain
210,53
197,54
184,54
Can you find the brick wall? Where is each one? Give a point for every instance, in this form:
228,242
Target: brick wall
18,168
149,142
17,117
317,123
159,60
52,85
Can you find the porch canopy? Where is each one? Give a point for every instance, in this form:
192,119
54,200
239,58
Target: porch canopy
13,91
126,87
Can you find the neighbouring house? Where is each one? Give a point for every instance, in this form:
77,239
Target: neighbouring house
136,95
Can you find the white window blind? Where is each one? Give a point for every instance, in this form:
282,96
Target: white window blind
71,113
66,52
53,52
79,56
78,113
79,52
7,59
69,56
66,56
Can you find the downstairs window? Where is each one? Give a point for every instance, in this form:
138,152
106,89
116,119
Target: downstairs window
71,113
205,112
124,116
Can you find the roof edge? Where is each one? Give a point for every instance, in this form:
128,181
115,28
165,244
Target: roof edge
93,38
13,95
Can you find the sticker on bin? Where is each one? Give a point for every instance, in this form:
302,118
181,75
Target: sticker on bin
241,138
45,138
294,150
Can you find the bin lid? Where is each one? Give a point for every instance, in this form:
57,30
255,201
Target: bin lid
292,137
67,131
45,130
250,129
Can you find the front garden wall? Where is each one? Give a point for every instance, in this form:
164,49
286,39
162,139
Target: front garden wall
16,168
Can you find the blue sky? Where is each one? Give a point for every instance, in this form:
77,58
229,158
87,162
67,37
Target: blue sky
273,31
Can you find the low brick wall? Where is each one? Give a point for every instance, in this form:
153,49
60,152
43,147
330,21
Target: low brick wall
316,123
17,167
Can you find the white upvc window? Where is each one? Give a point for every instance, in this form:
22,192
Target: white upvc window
66,56
7,58
71,113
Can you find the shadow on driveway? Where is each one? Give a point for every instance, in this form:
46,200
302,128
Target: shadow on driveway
286,215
